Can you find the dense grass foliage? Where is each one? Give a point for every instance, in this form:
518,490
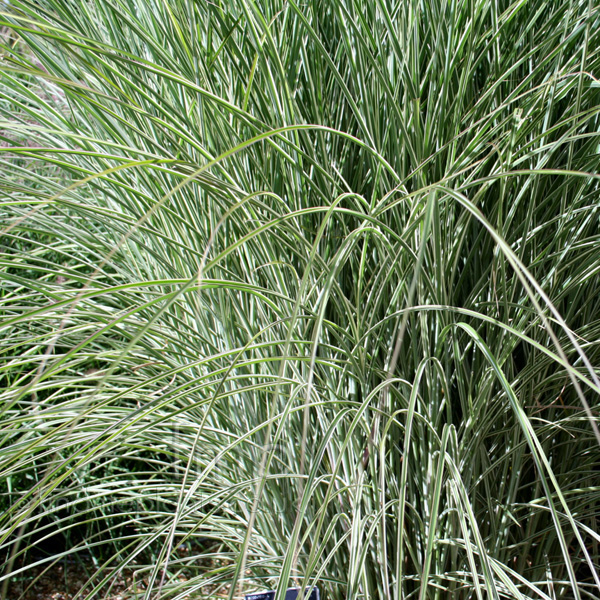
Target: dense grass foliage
311,288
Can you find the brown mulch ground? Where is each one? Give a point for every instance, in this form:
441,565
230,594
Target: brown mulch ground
63,579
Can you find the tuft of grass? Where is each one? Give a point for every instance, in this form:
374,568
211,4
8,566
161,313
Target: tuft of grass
310,289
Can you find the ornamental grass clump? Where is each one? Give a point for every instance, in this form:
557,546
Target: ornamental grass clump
299,293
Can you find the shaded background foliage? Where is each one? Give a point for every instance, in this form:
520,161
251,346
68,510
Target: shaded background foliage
309,287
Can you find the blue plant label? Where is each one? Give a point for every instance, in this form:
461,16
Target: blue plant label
290,594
